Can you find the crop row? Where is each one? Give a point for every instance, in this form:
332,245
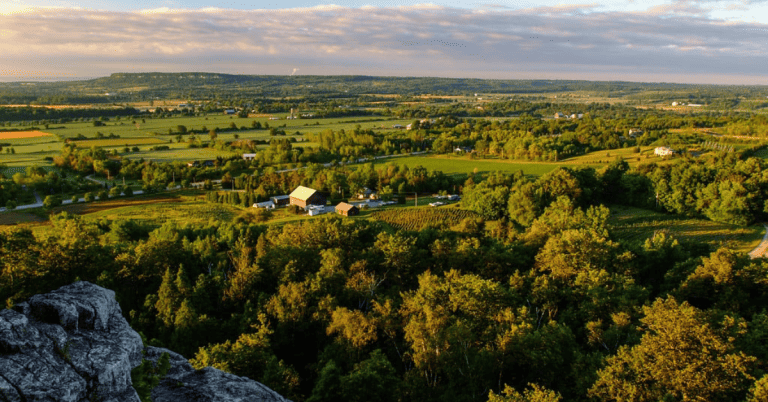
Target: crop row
417,219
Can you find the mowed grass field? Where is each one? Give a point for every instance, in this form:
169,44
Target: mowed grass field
636,224
152,210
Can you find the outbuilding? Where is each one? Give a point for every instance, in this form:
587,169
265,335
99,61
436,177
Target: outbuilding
265,204
347,209
281,200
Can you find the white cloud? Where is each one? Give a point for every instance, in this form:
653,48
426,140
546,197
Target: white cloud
574,41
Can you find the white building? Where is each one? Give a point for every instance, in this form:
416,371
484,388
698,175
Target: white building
664,151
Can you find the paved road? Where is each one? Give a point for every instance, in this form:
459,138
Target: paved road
39,203
762,248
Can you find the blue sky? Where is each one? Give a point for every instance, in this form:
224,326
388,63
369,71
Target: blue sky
693,41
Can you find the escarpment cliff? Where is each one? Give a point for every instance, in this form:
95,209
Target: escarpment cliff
73,344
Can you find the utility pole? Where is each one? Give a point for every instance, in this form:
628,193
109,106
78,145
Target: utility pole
416,204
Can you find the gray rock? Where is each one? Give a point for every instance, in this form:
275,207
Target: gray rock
184,383
73,344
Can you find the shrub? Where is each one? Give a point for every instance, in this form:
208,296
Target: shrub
88,197
75,199
11,204
51,201
114,191
102,195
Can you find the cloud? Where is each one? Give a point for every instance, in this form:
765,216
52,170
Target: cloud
555,42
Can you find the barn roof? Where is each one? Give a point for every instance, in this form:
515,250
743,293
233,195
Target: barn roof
302,193
343,206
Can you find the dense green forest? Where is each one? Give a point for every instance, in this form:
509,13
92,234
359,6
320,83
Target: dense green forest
531,298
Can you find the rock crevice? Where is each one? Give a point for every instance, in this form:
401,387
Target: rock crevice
74,345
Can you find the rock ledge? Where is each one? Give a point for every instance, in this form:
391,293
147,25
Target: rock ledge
73,344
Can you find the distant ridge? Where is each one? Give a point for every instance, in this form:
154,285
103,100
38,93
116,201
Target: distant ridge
122,87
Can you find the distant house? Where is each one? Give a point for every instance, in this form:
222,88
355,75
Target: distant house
230,111
364,193
265,204
209,163
249,157
634,132
281,200
193,164
559,115
347,209
397,126
663,151
305,196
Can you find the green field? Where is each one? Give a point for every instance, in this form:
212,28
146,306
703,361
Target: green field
146,132
453,165
635,224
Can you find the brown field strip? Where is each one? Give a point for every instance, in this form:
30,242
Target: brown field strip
11,135
17,217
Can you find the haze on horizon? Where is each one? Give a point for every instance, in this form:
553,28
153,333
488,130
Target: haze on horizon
689,41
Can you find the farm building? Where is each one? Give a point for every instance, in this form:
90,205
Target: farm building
664,151
281,200
249,157
265,204
364,193
314,210
347,209
305,196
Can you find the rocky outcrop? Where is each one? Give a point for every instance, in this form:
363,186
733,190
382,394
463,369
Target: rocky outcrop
73,344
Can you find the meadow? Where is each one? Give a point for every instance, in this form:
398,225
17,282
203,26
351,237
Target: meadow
636,224
460,165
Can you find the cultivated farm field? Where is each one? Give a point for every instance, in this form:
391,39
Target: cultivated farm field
32,147
8,135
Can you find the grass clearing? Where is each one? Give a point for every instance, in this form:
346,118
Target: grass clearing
179,209
636,224
454,165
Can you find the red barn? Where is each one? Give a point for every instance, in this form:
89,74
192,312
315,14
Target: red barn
304,196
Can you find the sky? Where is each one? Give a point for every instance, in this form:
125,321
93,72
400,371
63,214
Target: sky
685,41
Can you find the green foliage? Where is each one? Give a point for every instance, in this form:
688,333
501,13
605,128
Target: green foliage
51,201
146,376
680,357
534,394
418,219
